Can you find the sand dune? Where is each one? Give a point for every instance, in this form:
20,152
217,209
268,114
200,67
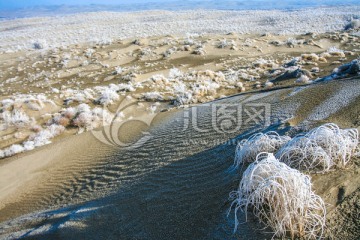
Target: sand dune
158,171
107,121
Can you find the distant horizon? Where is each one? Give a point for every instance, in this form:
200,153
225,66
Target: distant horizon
23,4
41,8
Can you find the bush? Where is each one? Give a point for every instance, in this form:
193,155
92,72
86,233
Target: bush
15,118
14,149
320,149
281,198
248,149
107,96
222,44
43,137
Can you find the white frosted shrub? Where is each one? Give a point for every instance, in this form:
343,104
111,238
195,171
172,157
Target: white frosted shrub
183,99
89,52
175,73
87,119
305,154
248,149
84,120
320,149
80,96
126,87
303,79
15,118
107,96
83,108
118,70
102,116
69,112
334,51
281,198
222,43
29,145
56,130
43,137
14,149
153,96
7,103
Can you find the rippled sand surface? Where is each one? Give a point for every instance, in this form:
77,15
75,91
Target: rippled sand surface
170,187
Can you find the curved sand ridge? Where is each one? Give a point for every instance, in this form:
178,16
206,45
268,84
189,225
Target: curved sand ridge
168,188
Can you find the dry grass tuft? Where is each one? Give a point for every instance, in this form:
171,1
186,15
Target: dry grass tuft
248,149
320,149
281,198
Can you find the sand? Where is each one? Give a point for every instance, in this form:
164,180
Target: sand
56,184
169,186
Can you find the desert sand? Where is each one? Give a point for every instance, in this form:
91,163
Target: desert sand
60,178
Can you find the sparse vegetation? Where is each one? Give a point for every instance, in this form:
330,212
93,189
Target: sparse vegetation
281,198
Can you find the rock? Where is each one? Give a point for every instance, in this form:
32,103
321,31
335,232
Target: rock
292,63
292,73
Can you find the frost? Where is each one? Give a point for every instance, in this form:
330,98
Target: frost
107,96
14,149
303,79
16,118
175,73
320,149
153,96
248,149
281,198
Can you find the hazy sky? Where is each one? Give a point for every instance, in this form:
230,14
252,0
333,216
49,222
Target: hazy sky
11,4
28,3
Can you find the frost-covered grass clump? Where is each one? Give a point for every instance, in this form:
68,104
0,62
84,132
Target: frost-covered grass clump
189,88
83,117
38,139
248,149
107,95
320,149
335,52
222,43
281,198
102,95
16,118
22,102
43,137
303,79
153,96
